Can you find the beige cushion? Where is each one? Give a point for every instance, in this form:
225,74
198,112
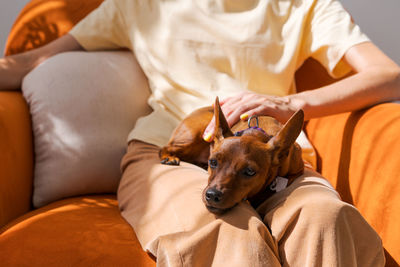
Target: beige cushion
83,107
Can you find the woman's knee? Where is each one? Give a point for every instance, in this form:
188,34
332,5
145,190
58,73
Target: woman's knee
326,210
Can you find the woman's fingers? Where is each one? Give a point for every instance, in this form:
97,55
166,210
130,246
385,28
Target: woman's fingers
208,134
239,103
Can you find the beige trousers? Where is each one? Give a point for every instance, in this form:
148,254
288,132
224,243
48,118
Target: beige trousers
308,225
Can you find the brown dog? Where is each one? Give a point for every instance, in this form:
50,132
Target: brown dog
241,166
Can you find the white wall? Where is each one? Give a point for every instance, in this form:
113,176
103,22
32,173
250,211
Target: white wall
9,10
379,19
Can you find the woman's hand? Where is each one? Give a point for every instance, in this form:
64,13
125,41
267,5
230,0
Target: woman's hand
247,104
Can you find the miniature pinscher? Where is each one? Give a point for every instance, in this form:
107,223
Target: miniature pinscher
241,165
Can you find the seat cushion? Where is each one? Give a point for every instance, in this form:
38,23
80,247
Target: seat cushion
83,231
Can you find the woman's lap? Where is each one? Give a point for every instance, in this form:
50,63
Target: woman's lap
163,204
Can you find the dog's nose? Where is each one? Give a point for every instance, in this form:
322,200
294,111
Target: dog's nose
213,195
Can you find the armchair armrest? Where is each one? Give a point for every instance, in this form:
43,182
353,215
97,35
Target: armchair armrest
40,22
16,157
359,153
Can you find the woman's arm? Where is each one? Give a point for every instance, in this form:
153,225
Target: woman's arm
14,68
377,80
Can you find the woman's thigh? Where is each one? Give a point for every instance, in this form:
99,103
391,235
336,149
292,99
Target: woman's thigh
164,206
150,190
314,227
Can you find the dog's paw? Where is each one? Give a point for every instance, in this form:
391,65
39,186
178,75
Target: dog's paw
170,160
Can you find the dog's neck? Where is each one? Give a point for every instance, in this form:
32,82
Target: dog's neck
265,191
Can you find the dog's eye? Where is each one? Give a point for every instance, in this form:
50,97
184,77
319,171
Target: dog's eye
213,163
249,172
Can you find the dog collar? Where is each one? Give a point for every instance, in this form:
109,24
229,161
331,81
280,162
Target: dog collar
240,133
279,184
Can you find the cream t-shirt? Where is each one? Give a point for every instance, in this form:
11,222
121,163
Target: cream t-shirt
195,50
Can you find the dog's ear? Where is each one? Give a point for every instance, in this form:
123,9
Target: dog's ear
285,138
222,129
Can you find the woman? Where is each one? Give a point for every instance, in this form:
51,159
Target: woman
246,52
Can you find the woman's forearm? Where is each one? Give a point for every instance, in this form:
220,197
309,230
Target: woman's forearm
14,68
371,86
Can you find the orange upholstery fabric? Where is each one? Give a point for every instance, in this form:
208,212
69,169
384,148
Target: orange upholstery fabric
16,156
359,153
84,231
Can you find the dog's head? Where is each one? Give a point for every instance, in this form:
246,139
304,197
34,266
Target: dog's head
241,167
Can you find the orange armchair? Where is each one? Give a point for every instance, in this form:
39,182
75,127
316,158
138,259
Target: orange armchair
357,152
